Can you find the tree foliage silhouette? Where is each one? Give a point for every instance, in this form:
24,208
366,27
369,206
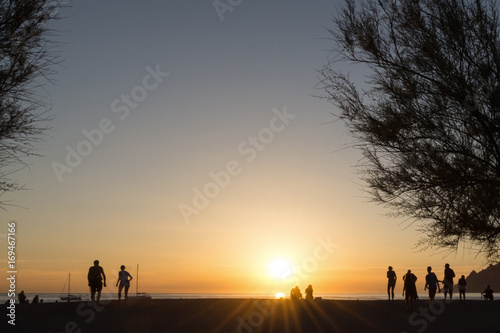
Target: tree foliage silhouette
27,56
427,119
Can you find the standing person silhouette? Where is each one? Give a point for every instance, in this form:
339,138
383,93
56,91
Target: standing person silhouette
462,285
411,289
391,276
95,277
123,279
449,274
431,282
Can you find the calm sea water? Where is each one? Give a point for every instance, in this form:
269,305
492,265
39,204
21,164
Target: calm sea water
338,296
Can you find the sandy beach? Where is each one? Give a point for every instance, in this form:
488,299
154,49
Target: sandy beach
248,315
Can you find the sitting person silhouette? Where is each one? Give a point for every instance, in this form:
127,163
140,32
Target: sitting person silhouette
22,297
309,292
295,293
487,293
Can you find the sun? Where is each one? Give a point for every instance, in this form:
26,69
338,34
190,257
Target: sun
280,268
280,295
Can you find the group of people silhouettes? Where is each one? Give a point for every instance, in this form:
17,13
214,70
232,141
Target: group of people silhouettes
23,299
296,294
431,284
97,279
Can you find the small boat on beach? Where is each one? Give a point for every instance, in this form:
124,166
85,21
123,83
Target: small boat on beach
138,295
70,297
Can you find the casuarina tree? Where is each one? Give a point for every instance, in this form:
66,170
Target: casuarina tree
427,118
27,56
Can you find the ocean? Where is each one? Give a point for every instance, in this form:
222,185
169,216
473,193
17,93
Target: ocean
51,298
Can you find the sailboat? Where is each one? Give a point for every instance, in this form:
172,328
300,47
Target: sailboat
139,295
70,297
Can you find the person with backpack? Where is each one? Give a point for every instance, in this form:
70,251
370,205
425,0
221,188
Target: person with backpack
410,288
96,277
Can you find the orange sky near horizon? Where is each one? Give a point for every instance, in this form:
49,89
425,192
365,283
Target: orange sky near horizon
330,264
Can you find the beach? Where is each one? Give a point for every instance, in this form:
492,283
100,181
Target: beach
254,315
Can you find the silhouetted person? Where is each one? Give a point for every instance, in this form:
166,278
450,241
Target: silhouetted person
488,293
411,289
35,299
449,274
96,276
295,293
431,282
123,279
391,283
309,292
462,285
22,297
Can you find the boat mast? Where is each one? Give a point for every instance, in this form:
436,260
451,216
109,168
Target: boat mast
69,283
137,282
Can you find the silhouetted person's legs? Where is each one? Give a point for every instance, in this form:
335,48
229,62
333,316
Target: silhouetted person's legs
98,296
126,291
95,288
390,291
120,292
92,293
448,288
409,303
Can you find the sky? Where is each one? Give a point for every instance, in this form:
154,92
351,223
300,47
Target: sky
187,138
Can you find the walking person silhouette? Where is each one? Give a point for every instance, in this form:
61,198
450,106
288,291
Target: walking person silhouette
391,283
96,277
123,279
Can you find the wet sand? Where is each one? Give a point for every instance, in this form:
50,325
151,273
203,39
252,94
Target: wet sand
248,315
